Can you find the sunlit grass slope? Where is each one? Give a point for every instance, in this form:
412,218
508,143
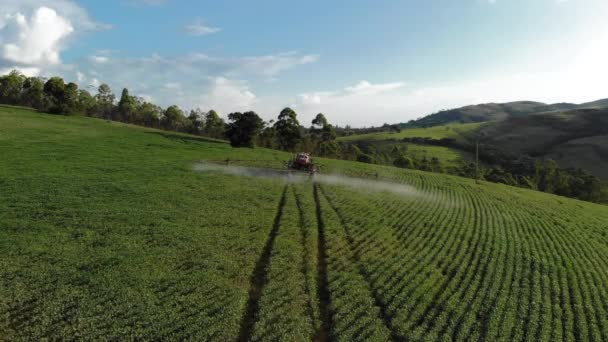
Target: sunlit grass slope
454,131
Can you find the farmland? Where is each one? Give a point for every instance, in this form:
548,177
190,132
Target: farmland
458,132
381,145
384,152
107,231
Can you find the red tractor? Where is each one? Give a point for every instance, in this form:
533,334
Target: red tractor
302,162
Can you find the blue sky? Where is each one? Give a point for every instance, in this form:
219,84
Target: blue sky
359,62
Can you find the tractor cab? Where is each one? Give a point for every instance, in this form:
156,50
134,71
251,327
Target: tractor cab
303,158
302,161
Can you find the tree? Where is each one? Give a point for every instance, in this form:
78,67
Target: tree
195,121
307,144
546,173
435,165
424,164
126,106
321,130
11,86
328,133
288,130
467,170
70,98
366,158
329,149
173,119
243,128
350,151
499,175
150,114
63,98
214,125
33,93
404,162
319,121
86,102
323,136
396,152
105,101
54,89
268,135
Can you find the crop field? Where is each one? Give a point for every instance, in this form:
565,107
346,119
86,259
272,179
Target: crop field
454,131
107,231
449,157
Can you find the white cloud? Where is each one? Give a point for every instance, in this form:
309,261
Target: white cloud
99,59
198,28
204,81
201,65
271,65
80,77
76,15
366,104
146,97
581,77
173,86
95,83
361,104
34,33
199,57
364,87
38,39
27,71
228,95
312,98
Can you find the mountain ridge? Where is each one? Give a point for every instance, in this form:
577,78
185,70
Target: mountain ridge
498,111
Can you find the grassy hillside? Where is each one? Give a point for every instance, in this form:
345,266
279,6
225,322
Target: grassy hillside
383,152
454,131
500,111
576,138
108,232
480,113
383,143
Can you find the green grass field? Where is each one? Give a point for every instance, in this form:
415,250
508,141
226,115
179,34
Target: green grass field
454,131
449,157
107,232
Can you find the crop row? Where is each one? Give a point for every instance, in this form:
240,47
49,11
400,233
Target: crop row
449,261
286,305
453,264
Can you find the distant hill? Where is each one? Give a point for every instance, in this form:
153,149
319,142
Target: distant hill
595,104
575,135
576,138
497,112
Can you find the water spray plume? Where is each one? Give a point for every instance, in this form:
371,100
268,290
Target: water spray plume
331,179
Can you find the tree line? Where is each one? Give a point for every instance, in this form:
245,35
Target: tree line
55,96
248,129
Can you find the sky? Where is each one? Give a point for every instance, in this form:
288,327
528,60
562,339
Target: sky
360,63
